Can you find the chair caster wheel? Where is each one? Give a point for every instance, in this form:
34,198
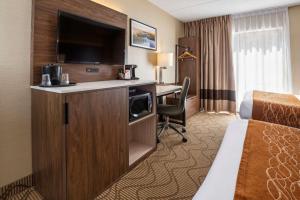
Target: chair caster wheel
184,140
157,141
183,130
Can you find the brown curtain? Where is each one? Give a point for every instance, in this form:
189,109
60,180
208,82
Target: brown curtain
217,89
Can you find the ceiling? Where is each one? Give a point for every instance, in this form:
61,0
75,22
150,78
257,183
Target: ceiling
189,10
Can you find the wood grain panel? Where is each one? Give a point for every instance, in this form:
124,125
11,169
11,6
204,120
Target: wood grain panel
144,132
190,67
45,36
97,152
192,106
48,144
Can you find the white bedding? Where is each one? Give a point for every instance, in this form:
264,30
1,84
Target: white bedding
247,105
221,180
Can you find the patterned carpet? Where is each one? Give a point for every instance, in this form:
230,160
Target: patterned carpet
176,169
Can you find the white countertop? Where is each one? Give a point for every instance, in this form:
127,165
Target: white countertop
80,87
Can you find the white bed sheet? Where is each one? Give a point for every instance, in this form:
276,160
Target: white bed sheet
247,105
221,180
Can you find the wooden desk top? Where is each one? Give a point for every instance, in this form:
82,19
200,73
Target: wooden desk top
162,90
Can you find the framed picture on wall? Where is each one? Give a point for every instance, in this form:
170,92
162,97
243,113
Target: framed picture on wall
142,35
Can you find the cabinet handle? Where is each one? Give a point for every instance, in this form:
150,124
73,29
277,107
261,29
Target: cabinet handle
66,113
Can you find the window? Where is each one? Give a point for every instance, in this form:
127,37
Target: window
261,52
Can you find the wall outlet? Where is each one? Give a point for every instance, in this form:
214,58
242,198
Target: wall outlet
92,70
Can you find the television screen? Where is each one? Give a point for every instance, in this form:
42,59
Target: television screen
81,40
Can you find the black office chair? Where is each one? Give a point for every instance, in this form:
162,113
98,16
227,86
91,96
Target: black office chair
168,111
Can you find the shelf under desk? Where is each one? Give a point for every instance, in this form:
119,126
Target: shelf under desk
141,138
137,150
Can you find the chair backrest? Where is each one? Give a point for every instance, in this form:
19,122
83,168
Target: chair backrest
184,93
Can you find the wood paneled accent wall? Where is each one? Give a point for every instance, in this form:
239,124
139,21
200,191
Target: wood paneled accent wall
45,36
190,67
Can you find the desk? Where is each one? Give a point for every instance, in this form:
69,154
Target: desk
163,90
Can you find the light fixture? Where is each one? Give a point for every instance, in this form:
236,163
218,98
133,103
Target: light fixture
164,60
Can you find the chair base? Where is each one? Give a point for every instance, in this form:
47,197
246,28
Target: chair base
166,125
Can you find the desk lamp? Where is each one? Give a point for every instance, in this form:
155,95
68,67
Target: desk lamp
164,60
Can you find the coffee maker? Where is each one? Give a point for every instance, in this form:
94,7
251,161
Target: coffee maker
131,69
54,71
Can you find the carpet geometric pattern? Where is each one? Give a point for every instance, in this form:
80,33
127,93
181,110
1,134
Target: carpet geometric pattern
175,170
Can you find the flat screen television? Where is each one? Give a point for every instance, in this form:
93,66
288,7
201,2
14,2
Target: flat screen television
82,40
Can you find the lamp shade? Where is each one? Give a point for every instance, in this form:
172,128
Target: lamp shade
165,59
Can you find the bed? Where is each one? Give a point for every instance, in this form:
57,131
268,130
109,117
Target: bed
226,178
271,107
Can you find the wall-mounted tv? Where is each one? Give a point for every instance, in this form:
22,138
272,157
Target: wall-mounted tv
82,40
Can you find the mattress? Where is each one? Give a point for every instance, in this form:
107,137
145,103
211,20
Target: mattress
224,171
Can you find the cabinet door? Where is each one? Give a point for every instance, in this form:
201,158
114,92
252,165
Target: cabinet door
96,138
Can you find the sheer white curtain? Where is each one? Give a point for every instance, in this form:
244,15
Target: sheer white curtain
261,52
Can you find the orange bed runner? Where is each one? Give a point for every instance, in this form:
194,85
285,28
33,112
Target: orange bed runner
270,165
276,108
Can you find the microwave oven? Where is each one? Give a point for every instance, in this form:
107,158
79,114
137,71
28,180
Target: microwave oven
140,104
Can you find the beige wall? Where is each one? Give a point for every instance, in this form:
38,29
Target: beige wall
294,14
15,34
168,28
15,145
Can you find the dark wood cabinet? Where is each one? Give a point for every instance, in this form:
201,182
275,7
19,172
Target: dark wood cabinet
83,142
48,144
96,136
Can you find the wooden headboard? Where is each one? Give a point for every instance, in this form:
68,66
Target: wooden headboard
44,36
